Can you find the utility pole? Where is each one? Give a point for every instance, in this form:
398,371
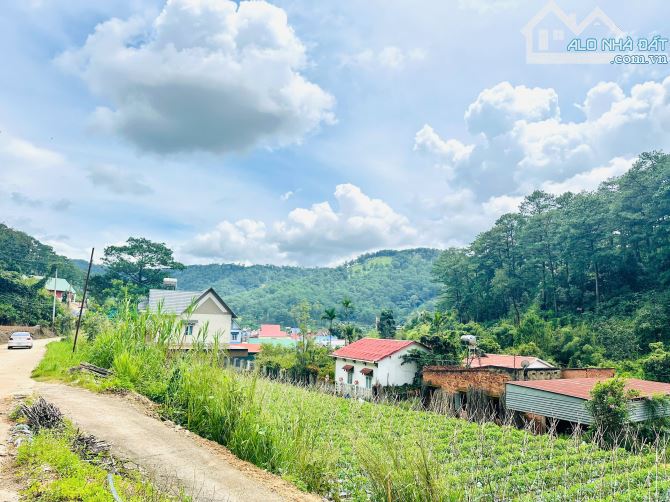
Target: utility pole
53,310
83,300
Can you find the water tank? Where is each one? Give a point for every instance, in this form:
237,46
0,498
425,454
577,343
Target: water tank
470,340
169,283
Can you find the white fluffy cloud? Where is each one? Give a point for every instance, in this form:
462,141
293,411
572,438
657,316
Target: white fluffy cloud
497,109
525,144
204,75
316,235
452,151
589,180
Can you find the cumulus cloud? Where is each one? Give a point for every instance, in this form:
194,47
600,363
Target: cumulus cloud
451,151
497,109
589,180
204,75
117,180
524,143
316,235
389,58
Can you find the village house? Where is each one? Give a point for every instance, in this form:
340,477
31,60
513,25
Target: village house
62,288
243,355
487,376
209,318
564,400
373,363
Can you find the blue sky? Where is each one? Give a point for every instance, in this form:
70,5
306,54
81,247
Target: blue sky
301,132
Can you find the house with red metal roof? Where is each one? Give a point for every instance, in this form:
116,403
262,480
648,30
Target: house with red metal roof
565,399
374,362
507,361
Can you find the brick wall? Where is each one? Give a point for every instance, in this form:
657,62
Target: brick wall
453,380
490,379
587,373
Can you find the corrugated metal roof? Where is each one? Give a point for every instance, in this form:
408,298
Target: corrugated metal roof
271,330
582,387
252,348
372,349
174,302
508,361
61,285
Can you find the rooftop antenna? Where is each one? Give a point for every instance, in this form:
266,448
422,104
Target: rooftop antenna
470,342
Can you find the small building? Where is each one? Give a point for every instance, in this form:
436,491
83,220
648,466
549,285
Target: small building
565,399
243,355
374,362
508,361
62,288
271,331
209,319
273,334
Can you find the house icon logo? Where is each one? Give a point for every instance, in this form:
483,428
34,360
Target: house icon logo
550,31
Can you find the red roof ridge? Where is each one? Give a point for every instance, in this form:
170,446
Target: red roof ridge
581,387
372,349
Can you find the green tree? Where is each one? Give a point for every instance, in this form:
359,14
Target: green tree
330,314
386,326
656,366
140,262
609,408
347,309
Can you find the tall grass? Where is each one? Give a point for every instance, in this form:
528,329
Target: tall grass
354,450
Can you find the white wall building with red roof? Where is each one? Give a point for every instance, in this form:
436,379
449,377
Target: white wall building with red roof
375,362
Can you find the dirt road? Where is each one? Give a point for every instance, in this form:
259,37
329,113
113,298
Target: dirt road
205,470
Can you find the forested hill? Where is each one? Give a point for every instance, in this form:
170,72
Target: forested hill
25,255
601,256
400,280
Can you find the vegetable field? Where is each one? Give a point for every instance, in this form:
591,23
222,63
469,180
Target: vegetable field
350,450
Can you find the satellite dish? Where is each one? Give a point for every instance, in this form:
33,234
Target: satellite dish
469,340
525,363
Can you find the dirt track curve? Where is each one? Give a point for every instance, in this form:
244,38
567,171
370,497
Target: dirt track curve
205,470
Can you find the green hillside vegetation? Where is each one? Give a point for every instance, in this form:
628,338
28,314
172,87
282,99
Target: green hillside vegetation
22,297
25,255
581,279
400,280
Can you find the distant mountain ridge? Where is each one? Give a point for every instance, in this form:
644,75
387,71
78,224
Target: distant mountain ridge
400,280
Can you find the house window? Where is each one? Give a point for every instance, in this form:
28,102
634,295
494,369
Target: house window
188,328
558,35
350,377
368,381
543,42
234,336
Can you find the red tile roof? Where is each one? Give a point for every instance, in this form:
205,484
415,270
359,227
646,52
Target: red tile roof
252,348
581,387
372,349
273,330
505,361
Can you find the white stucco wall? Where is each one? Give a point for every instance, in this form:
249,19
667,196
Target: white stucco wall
217,322
388,371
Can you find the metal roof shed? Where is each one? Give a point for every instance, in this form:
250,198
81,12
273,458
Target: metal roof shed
565,399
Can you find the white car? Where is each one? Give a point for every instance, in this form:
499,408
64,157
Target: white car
20,340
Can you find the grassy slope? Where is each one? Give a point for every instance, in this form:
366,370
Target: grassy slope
329,444
52,471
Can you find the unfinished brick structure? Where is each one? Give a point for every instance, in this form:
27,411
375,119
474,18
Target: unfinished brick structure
491,380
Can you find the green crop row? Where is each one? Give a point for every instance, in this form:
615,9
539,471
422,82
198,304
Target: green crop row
353,450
